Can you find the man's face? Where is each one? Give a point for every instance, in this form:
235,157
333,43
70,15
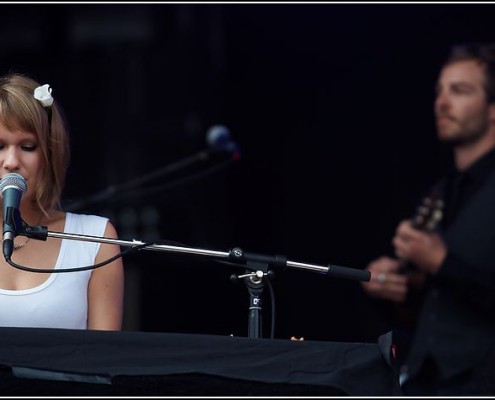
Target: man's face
461,107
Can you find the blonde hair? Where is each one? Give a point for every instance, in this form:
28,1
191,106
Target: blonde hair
19,110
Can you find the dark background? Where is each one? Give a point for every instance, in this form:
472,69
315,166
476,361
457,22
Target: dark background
330,104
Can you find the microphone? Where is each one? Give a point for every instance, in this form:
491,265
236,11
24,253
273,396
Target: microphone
12,187
218,138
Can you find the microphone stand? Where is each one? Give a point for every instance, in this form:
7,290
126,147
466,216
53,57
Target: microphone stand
115,189
257,265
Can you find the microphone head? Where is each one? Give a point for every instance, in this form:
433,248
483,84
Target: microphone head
218,138
15,181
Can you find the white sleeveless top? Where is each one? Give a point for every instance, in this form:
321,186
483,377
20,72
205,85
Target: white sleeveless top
62,300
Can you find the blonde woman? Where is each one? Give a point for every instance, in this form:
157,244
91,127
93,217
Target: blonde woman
34,143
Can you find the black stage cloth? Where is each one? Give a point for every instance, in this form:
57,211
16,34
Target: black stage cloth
39,361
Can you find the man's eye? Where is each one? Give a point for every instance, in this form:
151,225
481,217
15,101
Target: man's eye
462,89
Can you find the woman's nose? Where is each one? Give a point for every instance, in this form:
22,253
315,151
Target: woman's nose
11,160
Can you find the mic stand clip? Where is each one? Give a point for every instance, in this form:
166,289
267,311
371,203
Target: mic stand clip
254,279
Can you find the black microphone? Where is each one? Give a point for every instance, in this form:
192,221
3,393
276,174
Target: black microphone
218,138
12,187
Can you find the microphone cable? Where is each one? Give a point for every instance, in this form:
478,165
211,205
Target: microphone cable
76,269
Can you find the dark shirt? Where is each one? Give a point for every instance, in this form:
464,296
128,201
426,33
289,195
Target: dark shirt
460,186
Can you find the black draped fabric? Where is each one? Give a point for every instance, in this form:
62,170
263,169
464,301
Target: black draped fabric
40,361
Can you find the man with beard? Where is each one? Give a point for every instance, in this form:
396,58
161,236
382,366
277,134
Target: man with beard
452,266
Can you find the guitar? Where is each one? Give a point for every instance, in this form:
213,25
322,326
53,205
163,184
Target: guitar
427,217
429,213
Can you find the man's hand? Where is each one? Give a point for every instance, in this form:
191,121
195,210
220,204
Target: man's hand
426,250
386,281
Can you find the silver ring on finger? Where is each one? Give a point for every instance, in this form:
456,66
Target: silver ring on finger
381,277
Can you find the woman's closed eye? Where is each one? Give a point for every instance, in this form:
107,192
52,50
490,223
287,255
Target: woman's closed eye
28,147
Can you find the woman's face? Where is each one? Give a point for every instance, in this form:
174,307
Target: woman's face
20,153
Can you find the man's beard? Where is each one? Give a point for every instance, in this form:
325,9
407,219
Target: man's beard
463,137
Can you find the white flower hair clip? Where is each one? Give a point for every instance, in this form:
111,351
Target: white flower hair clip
44,95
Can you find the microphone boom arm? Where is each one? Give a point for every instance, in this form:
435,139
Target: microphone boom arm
111,191
236,254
